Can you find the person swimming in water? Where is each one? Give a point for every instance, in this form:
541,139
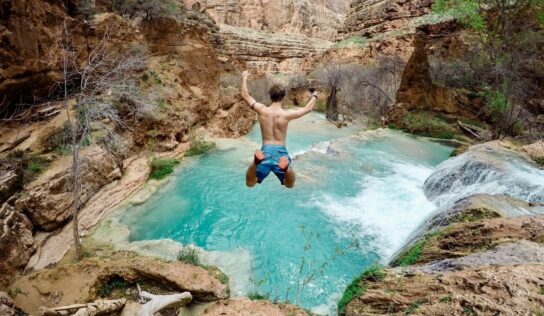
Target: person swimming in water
273,156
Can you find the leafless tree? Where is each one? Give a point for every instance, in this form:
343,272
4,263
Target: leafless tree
89,87
359,88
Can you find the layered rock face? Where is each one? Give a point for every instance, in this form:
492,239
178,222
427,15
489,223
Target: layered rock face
371,17
269,52
320,18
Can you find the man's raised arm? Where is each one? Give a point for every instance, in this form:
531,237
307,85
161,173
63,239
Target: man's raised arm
295,114
245,94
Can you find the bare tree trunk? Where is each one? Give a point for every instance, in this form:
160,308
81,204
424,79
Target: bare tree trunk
332,106
75,194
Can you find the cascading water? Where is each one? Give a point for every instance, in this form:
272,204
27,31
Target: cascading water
486,168
357,198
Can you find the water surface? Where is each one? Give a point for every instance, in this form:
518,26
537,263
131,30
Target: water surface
356,199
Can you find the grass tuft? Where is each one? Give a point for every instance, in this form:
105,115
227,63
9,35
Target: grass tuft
160,168
189,255
428,124
412,255
357,287
255,296
199,145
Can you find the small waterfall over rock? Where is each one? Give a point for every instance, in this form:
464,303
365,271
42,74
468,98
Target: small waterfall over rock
487,168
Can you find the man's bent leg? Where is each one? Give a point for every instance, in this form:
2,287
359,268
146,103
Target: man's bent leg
289,181
251,175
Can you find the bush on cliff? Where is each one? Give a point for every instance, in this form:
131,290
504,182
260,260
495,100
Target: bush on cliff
428,124
199,145
160,168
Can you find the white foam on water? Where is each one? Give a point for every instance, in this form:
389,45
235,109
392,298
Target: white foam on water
388,208
320,147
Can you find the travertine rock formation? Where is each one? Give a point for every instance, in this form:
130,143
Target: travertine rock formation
370,17
247,307
318,18
489,290
82,282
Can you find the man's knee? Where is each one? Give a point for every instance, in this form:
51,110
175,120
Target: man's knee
251,184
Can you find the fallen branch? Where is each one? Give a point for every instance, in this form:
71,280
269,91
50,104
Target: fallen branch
468,129
91,309
156,303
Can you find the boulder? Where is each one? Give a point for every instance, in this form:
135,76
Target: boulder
16,242
48,200
462,239
6,305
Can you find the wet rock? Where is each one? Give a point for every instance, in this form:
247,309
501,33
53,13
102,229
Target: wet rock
489,290
16,243
83,282
48,200
462,239
486,168
520,252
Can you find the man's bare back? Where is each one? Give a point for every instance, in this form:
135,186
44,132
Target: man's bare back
274,120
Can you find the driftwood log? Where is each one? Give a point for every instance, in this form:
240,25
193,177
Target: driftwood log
155,303
102,307
151,304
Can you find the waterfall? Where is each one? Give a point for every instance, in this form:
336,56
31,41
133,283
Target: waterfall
486,168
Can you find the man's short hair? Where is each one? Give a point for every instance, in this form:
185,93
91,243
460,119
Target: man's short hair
277,92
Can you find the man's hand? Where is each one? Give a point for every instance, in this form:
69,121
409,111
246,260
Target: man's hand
245,74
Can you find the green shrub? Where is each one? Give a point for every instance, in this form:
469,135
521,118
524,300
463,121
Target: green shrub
357,287
428,124
160,168
321,106
255,296
106,288
34,167
189,255
199,145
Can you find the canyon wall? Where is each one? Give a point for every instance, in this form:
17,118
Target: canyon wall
320,18
371,17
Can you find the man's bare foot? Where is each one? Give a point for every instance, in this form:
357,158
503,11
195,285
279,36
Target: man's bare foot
259,156
284,163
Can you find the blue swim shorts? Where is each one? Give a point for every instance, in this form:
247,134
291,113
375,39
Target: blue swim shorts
272,155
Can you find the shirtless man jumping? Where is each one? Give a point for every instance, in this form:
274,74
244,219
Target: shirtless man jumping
273,119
